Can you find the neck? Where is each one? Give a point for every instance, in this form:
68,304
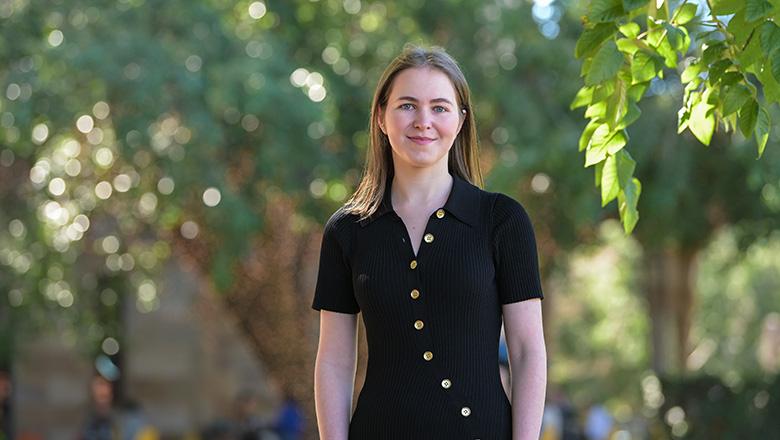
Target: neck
421,186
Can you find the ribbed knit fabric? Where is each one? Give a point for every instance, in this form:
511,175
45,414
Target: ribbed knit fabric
482,255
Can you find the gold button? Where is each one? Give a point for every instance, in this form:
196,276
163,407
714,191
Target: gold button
440,213
427,355
446,384
413,264
415,294
428,238
465,411
418,324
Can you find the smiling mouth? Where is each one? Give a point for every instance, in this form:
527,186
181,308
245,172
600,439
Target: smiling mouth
421,140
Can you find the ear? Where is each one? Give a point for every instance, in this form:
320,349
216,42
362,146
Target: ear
380,116
463,115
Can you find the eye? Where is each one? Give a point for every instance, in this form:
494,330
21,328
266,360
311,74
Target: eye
406,106
440,109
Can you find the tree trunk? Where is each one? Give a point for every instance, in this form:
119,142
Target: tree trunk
669,277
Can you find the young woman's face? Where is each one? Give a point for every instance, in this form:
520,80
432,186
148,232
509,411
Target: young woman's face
421,118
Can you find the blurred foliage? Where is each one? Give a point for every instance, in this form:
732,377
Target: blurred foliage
706,407
728,54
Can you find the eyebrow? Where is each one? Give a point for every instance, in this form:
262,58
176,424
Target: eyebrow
413,99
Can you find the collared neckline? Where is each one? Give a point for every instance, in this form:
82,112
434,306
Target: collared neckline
462,202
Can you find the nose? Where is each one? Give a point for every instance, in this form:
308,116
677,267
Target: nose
422,120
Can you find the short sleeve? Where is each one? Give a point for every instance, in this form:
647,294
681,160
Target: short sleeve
514,248
334,280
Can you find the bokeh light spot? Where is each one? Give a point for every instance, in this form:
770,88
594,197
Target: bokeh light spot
211,197
257,10
101,110
103,190
110,346
85,123
165,185
40,133
55,38
57,186
189,229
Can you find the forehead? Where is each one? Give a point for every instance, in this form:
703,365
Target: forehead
423,83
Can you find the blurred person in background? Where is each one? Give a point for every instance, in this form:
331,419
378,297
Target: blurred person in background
101,423
134,424
289,421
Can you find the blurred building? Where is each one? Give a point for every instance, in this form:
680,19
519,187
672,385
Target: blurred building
183,363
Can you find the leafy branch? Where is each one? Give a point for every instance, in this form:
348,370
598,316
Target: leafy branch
626,44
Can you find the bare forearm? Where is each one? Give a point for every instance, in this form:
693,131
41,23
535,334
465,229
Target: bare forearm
333,388
529,383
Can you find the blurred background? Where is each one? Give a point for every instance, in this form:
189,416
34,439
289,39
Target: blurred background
166,167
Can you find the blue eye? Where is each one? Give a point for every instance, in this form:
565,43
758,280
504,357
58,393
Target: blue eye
404,106
443,109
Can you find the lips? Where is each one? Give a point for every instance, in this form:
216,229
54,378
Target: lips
421,140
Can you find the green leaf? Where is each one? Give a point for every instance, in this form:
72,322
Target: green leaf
769,33
597,174
655,36
596,110
627,201
625,167
587,133
632,114
637,91
755,9
717,69
627,46
726,7
691,72
603,91
597,148
616,105
616,142
686,13
771,87
675,36
713,52
702,120
630,29
731,78
763,126
750,54
606,64
664,48
683,116
643,67
734,98
583,98
748,115
609,181
605,10
591,39
630,5
739,28
774,64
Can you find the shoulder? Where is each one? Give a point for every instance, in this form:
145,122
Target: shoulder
340,223
505,207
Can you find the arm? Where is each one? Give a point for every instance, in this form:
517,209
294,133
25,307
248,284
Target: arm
528,366
334,374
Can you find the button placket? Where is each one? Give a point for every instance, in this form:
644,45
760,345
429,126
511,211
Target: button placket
418,297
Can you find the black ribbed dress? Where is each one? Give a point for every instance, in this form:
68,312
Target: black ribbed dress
432,320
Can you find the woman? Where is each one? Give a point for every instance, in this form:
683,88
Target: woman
433,263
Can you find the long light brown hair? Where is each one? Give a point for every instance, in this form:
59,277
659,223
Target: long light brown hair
464,154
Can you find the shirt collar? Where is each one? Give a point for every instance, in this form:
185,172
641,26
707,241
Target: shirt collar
463,202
